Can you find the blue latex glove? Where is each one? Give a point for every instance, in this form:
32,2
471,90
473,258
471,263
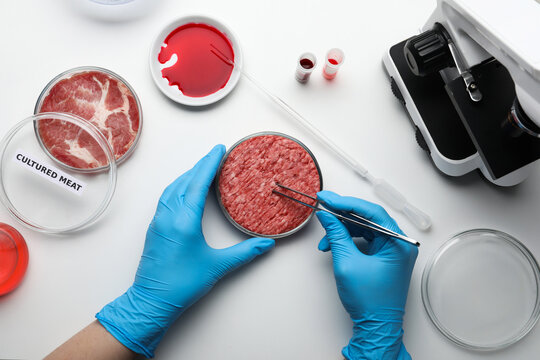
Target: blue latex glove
373,284
177,266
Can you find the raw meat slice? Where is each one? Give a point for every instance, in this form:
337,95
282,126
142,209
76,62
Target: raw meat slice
99,97
249,175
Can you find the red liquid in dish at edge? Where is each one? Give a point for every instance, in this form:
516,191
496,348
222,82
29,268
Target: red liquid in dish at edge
198,71
13,258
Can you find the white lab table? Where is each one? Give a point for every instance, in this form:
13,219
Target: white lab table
284,305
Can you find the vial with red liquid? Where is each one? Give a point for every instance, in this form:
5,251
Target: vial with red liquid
334,59
305,66
13,258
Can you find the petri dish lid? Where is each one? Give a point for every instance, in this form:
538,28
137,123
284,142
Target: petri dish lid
481,290
44,182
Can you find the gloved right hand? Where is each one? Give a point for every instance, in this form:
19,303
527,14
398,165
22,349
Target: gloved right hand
373,285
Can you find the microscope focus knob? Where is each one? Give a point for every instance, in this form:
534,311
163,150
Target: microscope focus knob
427,53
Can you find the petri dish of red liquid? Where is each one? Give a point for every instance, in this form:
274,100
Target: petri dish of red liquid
196,60
13,258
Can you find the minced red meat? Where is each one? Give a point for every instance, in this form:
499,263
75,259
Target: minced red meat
249,175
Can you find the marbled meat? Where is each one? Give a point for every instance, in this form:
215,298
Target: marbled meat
103,100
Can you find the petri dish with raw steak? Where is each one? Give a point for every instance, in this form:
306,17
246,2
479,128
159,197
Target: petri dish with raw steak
102,98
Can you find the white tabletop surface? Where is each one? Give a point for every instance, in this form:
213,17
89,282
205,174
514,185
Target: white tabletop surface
284,305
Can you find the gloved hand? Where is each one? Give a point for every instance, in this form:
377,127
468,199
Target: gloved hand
372,285
177,266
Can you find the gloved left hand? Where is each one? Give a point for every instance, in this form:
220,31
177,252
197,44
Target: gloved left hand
177,266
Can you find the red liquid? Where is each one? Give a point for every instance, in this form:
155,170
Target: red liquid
198,71
333,61
13,258
306,63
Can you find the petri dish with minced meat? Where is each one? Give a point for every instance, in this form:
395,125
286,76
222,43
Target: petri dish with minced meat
249,172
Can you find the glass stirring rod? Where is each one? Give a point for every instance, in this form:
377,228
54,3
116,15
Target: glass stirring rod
382,188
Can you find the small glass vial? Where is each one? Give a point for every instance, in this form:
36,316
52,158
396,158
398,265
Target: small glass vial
334,59
305,66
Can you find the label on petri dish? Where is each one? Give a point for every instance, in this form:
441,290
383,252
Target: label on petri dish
50,173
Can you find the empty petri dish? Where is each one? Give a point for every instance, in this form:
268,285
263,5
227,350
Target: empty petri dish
40,186
249,172
13,258
481,290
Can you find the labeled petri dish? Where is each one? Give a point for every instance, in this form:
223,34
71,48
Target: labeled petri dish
196,60
102,98
13,258
40,186
249,172
481,290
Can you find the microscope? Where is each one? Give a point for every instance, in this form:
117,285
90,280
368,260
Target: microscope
470,82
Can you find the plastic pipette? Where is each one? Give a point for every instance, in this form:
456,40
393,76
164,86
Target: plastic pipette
382,188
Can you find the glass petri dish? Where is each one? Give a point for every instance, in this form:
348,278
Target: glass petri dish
40,190
481,290
257,185
13,258
101,97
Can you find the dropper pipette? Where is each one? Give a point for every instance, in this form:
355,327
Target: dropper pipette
382,188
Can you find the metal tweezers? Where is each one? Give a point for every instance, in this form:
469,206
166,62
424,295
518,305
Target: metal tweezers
360,221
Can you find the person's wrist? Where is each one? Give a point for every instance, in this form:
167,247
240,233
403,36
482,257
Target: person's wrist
138,319
377,336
